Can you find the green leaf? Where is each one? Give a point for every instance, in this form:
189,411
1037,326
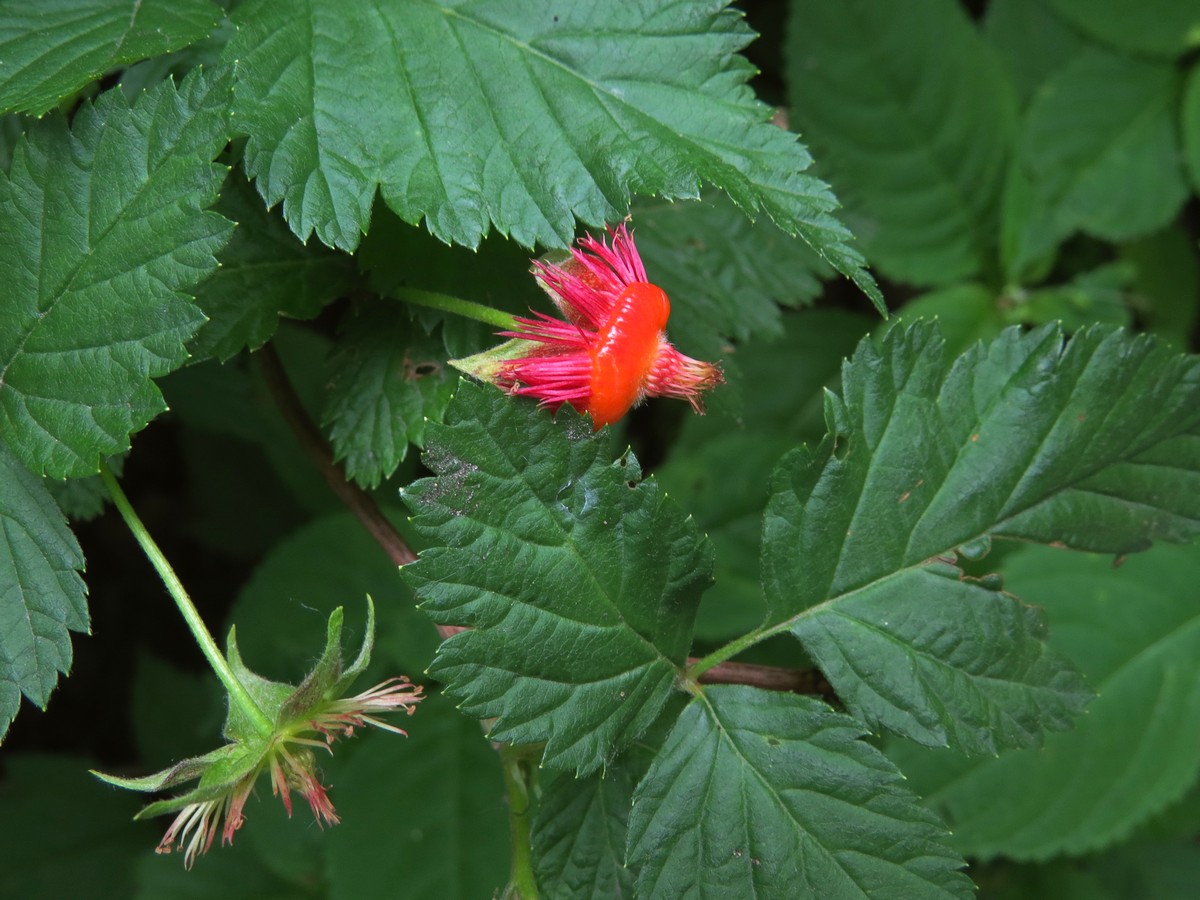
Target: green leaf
725,275
601,101
264,273
912,118
1191,126
437,793
83,499
387,379
1033,42
60,839
296,589
965,313
1093,445
578,579
719,468
579,836
113,231
1155,27
42,596
1167,284
1100,148
52,49
758,794
1135,633
1099,295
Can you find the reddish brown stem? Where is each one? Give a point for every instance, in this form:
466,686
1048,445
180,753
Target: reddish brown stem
771,678
801,681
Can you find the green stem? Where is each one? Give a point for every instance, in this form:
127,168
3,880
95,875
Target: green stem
237,692
733,648
521,884
486,314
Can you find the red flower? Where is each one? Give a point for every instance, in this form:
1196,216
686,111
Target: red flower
613,350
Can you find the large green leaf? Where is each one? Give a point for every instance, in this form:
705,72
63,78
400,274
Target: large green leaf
489,112
1156,27
1135,632
42,596
1031,40
52,48
912,117
579,580
1100,146
1094,445
766,795
264,273
387,379
107,229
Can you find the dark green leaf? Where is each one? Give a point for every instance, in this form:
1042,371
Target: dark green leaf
1031,40
1155,27
965,313
1167,284
579,580
726,276
1098,295
1191,126
264,273
1093,445
1100,147
768,795
387,378
42,596
719,468
296,586
83,499
113,231
912,117
1165,871
51,49
421,816
579,836
1135,632
60,839
600,101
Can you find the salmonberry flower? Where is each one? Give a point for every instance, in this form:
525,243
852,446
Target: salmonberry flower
301,719
612,351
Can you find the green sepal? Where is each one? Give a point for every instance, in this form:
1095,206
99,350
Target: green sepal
486,366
